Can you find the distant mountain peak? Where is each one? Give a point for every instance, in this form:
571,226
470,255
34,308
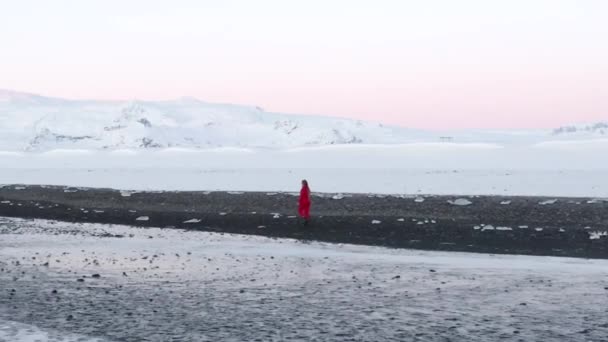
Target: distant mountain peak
598,128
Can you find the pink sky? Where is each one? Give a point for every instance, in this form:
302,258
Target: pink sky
427,64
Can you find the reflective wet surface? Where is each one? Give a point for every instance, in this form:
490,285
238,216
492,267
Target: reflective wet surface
88,282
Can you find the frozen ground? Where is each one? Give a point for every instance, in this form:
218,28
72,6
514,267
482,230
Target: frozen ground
569,169
162,285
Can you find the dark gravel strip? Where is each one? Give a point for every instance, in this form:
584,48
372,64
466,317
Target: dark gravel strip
391,221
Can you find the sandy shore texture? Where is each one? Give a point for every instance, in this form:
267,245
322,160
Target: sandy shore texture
575,227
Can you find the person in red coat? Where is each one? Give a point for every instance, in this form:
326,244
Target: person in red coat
304,203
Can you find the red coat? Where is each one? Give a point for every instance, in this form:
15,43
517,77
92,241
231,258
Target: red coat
304,202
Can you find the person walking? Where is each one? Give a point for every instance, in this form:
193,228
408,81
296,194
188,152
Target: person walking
304,203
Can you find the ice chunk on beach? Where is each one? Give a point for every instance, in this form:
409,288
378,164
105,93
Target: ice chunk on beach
460,201
376,222
597,235
142,218
125,193
193,221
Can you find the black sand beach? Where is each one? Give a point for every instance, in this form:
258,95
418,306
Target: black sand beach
489,224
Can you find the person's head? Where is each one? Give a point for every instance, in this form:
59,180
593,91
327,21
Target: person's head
304,183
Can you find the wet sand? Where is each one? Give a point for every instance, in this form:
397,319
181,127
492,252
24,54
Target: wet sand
489,224
69,282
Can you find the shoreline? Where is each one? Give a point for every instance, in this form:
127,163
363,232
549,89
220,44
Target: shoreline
552,226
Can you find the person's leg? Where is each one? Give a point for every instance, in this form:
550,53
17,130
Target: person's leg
306,213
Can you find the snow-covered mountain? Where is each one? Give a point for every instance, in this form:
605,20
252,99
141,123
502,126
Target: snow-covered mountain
36,123
31,122
599,129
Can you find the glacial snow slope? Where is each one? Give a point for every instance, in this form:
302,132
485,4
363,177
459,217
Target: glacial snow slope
598,129
36,123
31,122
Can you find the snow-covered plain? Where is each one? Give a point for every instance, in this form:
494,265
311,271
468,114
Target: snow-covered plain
576,168
169,284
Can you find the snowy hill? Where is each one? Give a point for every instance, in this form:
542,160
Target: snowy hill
31,122
598,129
36,123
